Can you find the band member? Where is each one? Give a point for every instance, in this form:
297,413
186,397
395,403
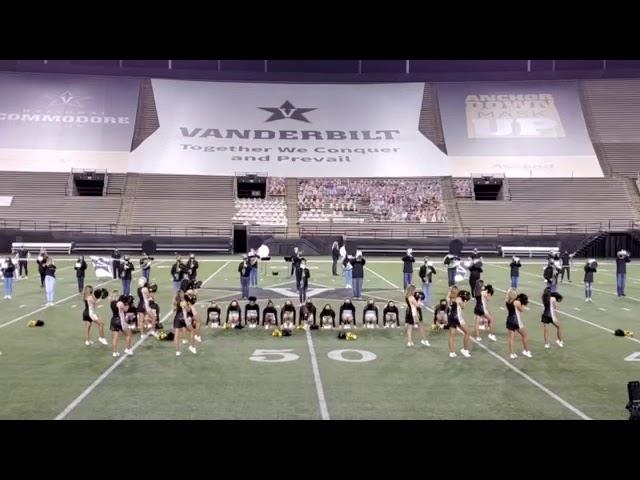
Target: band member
80,268
269,315
119,324
327,317
295,260
42,262
234,314
483,318
145,265
451,261
89,315
192,266
590,268
357,274
390,315
213,314
622,258
370,315
347,317
515,271
516,304
23,261
252,313
126,268
457,300
307,313
50,280
548,274
407,268
302,279
566,265
347,271
8,272
253,265
475,269
288,315
335,255
245,271
549,316
178,271
426,273
116,263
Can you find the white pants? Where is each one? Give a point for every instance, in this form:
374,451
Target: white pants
49,287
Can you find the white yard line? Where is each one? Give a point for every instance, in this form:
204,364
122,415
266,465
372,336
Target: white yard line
324,412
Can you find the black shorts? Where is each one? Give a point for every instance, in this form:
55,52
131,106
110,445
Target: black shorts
408,320
86,318
140,308
512,324
116,324
454,322
546,319
479,310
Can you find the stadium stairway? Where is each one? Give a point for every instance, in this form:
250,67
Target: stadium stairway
449,198
293,231
128,197
632,192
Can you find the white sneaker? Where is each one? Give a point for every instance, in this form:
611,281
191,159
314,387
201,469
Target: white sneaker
9,297
546,345
386,326
586,299
513,355
192,349
465,353
478,339
560,343
527,353
128,351
116,354
492,337
103,341
198,338
88,342
452,355
409,344
425,343
178,354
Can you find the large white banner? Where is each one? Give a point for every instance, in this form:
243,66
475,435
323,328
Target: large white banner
292,130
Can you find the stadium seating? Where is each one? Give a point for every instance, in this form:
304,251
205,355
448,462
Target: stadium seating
261,211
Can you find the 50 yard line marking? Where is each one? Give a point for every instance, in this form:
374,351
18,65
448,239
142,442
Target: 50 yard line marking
324,412
117,363
531,380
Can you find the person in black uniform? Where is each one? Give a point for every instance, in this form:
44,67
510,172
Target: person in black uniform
515,266
213,314
178,272
193,320
307,313
80,268
550,304
295,261
269,315
145,266
244,269
457,299
357,274
622,258
252,313
119,308
23,262
407,268
8,272
370,315
335,256
474,255
451,262
49,280
516,304
126,267
413,315
426,273
302,280
115,263
253,265
182,322
390,315
566,266
42,262
475,269
347,314
234,314
288,315
590,268
192,266
327,317
440,314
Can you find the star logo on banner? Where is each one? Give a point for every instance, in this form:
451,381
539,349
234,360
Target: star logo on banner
287,110
67,99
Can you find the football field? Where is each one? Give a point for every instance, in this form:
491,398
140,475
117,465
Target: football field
48,373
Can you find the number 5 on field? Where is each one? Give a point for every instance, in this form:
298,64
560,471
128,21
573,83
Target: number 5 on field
260,355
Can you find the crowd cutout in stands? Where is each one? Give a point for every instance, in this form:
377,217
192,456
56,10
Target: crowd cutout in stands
277,187
261,211
463,187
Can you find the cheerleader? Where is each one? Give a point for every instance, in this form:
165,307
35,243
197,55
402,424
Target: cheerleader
347,314
181,323
307,313
328,317
481,311
213,314
549,316
119,307
370,315
234,314
288,315
193,320
42,262
516,304
457,300
269,315
50,280
440,313
252,313
390,315
89,316
413,316
146,315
